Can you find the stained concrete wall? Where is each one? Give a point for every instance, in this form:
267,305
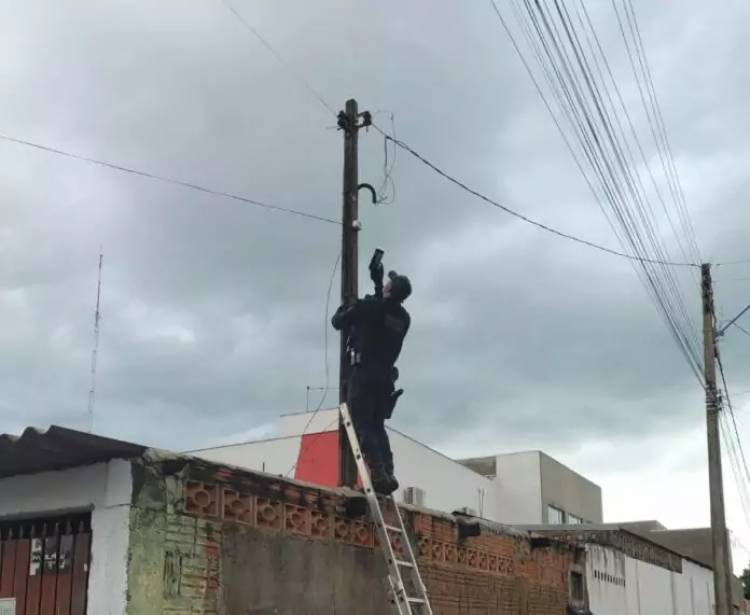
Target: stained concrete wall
694,543
173,558
606,576
299,576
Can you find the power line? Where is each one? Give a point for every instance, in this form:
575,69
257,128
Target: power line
250,28
654,116
663,283
640,229
169,180
521,216
560,102
680,200
731,414
739,262
576,79
731,453
668,294
741,328
623,106
734,320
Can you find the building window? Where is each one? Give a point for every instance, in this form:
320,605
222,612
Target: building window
555,516
414,496
573,520
576,586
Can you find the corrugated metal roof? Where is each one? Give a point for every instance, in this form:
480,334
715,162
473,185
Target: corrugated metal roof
57,448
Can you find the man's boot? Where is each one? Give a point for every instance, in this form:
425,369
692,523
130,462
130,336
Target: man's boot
380,481
392,482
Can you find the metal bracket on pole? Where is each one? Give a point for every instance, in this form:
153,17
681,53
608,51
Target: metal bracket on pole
721,331
372,192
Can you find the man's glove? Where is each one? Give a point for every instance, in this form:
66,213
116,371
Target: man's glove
343,316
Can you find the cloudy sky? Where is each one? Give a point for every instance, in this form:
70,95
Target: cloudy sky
213,311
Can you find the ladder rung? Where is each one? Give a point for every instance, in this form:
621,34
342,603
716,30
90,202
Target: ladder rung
393,528
415,600
401,562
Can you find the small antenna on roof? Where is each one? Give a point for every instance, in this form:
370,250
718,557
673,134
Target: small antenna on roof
95,349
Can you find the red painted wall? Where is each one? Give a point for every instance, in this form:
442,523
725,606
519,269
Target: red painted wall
318,459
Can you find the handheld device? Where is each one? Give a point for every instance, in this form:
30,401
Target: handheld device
376,259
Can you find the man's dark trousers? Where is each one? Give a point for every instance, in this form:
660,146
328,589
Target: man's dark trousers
368,404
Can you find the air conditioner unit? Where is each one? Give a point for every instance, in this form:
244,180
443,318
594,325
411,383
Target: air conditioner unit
414,496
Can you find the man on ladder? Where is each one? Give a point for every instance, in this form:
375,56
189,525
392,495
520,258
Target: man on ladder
375,327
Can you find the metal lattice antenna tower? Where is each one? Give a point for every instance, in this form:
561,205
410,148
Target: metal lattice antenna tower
95,349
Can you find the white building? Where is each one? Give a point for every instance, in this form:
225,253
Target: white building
622,585
528,487
533,485
628,573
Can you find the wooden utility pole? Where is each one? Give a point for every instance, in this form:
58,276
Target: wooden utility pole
720,543
349,123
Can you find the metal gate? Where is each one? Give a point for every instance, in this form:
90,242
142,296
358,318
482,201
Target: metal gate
44,564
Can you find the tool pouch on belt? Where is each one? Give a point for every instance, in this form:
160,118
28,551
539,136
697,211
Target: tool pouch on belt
392,401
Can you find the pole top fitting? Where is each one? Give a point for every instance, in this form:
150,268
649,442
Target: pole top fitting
342,120
366,119
356,225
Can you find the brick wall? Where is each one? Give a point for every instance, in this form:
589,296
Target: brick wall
493,573
207,539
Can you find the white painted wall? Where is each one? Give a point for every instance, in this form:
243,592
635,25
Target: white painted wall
299,422
654,589
648,590
633,591
448,485
513,497
519,488
106,489
698,584
274,456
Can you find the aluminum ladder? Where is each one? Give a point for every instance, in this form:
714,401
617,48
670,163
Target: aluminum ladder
403,603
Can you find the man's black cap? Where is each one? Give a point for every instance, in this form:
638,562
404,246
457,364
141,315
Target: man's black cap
400,286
